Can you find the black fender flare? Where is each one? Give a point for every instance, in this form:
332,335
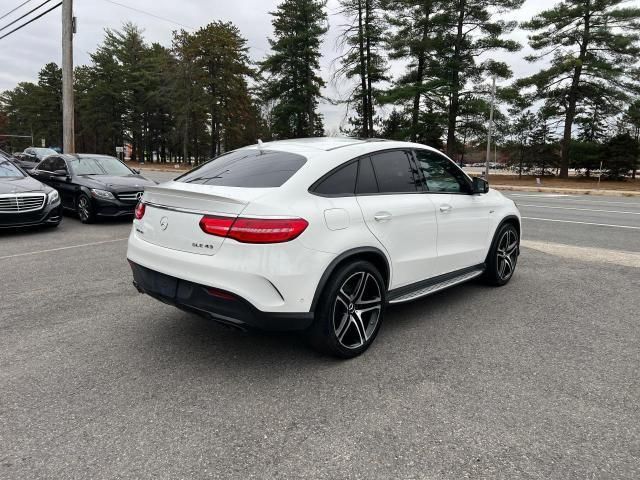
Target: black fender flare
508,218
352,253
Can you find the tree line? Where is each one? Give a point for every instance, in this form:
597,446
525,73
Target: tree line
202,95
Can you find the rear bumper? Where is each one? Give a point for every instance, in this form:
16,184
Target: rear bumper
219,305
277,278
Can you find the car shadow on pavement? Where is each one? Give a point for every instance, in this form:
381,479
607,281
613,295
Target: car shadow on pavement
195,339
99,220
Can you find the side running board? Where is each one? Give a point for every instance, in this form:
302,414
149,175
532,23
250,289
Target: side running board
406,294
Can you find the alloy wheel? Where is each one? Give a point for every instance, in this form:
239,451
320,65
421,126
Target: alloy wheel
357,310
83,208
507,254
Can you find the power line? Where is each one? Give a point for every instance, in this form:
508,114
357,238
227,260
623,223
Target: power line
164,19
150,14
31,21
18,7
26,14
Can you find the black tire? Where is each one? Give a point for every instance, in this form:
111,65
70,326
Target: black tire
340,328
503,257
84,208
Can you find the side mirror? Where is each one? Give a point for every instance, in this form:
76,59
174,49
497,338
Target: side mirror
480,185
60,173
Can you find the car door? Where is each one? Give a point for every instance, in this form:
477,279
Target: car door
44,170
463,218
398,214
63,183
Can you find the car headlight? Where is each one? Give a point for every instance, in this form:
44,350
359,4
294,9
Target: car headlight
53,196
102,194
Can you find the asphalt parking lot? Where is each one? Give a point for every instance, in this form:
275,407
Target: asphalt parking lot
539,379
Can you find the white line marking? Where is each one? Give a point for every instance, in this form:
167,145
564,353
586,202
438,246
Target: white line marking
582,223
576,208
586,254
62,248
573,198
542,195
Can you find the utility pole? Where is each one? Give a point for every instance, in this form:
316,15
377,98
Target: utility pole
68,130
493,101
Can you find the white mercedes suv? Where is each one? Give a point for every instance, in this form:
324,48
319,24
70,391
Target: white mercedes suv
319,235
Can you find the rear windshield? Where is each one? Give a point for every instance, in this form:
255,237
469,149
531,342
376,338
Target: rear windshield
247,168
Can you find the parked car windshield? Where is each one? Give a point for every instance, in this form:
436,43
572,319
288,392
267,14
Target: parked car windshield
98,166
44,152
8,169
247,168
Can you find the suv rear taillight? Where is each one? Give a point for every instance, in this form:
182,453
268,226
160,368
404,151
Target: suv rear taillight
254,230
139,211
218,226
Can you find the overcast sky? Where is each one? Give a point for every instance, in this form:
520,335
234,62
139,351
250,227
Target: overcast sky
25,52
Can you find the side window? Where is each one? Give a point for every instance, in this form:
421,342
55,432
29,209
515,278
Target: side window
46,165
59,164
342,182
367,182
439,174
395,172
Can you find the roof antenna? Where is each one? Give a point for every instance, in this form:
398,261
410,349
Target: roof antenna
260,146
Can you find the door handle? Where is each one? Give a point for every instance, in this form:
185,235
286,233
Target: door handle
382,217
445,208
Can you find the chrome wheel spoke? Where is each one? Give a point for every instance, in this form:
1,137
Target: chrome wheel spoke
507,263
365,303
506,254
359,326
357,309
344,299
360,287
343,327
369,309
501,267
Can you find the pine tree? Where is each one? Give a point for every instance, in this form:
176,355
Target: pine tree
49,103
442,42
593,46
470,32
415,28
632,119
293,83
362,39
221,56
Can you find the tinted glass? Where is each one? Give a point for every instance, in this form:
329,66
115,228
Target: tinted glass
43,152
340,182
394,172
247,168
59,164
46,165
99,166
8,169
440,174
366,178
